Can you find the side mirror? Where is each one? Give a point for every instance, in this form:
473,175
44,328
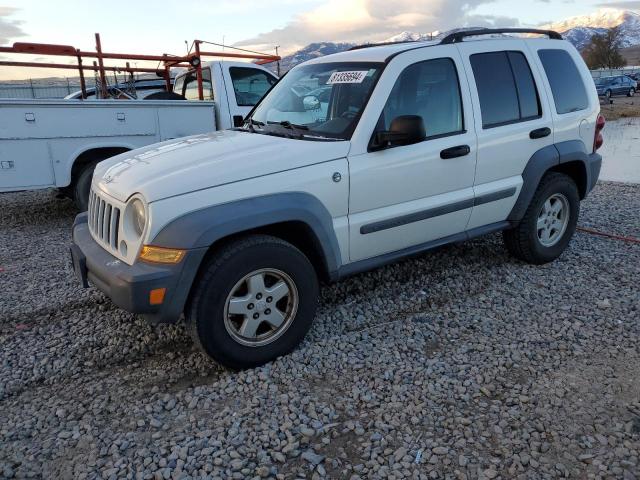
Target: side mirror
311,102
404,130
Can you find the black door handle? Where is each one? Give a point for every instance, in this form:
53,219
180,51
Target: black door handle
539,133
453,152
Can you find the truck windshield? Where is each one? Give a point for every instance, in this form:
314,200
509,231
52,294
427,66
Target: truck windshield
322,100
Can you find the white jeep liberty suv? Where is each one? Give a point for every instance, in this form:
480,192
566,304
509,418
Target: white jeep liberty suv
351,161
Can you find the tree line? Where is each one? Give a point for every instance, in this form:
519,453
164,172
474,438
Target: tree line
603,51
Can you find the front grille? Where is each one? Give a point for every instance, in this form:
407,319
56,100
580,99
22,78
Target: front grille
104,220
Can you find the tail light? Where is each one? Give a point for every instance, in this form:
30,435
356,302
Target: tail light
597,137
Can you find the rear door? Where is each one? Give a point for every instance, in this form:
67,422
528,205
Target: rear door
618,86
512,120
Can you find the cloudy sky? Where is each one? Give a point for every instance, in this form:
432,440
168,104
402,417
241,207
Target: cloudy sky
158,26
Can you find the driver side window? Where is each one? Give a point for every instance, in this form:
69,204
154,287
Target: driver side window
431,90
250,85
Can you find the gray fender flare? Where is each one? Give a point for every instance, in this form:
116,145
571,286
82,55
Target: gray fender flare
202,228
547,158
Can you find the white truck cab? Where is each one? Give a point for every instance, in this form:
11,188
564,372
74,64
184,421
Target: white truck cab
57,143
236,87
351,161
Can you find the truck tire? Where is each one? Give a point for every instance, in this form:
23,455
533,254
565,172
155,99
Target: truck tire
254,301
164,96
548,223
82,186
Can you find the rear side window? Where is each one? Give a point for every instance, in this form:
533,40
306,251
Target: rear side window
506,88
566,82
190,86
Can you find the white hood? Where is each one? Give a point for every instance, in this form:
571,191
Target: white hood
193,163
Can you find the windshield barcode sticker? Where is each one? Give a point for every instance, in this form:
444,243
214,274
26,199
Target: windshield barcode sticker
347,77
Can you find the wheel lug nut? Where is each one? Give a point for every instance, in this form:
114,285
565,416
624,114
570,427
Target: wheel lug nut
269,299
259,296
256,315
250,306
267,311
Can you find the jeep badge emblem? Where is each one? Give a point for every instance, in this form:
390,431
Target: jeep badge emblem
337,177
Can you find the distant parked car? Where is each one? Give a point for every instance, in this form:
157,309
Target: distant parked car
621,85
634,76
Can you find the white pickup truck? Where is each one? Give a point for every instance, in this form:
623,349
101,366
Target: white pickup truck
57,143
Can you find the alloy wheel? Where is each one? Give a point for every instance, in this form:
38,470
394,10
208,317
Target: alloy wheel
260,307
553,219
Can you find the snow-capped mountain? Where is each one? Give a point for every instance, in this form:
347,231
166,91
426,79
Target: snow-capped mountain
411,37
313,50
578,30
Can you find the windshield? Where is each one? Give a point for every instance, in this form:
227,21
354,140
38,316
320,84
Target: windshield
323,100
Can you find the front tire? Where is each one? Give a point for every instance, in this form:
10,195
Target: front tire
548,223
82,186
632,92
254,301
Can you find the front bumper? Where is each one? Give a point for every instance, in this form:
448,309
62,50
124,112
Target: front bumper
128,286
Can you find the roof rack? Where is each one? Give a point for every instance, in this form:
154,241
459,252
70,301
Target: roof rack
381,44
192,60
458,36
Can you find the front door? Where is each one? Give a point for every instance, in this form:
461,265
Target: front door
405,196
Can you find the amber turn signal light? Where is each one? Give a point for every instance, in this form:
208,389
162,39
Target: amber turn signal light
156,296
153,254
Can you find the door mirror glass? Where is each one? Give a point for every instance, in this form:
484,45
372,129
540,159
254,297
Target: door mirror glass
311,102
404,130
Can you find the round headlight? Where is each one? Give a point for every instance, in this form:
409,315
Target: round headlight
138,216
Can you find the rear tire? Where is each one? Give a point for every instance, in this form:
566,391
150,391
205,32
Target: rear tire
164,96
254,301
548,223
82,186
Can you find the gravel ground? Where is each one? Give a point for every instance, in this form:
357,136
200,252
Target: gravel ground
462,363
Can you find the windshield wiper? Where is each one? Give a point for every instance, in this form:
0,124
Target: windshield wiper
288,124
251,122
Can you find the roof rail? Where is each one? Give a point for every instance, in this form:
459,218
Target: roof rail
458,36
381,44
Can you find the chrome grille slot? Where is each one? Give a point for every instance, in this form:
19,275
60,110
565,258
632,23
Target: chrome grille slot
104,221
115,221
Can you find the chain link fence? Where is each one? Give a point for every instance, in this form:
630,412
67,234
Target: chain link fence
34,90
614,72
